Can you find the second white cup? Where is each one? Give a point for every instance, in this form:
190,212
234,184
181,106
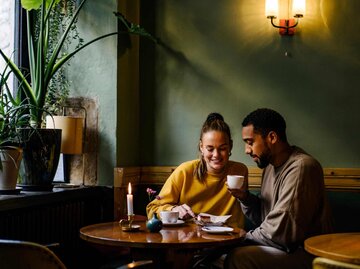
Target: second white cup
235,181
169,216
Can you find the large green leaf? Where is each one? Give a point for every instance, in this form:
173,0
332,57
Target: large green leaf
34,4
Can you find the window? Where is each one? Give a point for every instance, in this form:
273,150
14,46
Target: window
7,32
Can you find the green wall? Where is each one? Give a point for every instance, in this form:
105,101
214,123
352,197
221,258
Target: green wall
225,56
92,73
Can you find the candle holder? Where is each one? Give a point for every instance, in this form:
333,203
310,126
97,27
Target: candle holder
127,226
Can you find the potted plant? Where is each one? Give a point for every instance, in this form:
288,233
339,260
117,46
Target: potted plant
42,71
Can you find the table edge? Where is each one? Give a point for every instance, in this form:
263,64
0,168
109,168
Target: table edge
175,245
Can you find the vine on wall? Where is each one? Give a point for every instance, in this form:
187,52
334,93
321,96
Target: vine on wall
59,88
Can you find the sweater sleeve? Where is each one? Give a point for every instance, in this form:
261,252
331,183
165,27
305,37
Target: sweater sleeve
251,208
297,203
169,194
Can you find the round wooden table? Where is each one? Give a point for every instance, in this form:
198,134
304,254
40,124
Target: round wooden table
172,247
343,247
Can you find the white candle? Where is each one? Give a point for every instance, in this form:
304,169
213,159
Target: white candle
129,199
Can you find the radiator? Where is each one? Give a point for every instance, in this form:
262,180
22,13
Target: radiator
46,224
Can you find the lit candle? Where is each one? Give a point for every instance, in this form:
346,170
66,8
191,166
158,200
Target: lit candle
130,206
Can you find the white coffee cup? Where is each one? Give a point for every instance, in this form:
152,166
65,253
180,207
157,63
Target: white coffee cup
169,216
235,181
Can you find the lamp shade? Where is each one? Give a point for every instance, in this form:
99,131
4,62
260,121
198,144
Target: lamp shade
271,8
298,7
72,132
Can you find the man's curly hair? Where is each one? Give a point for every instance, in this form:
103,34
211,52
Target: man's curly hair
266,120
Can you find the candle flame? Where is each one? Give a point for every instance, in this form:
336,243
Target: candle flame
129,188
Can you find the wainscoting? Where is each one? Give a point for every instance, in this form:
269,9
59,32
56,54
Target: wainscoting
342,186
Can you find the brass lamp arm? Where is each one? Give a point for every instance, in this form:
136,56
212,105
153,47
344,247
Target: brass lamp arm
287,22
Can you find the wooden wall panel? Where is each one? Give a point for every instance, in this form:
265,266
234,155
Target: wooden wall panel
336,179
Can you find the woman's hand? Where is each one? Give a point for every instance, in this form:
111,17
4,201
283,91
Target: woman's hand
185,211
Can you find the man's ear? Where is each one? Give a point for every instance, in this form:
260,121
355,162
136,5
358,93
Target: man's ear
272,137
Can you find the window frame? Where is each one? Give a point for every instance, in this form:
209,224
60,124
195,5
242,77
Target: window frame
20,43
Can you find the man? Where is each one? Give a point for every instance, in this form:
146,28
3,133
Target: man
291,205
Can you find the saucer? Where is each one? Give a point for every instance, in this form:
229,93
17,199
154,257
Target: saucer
15,191
217,229
179,222
207,224
66,185
133,228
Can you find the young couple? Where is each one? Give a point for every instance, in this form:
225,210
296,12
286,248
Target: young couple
292,181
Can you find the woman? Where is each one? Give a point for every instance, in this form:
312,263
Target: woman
198,186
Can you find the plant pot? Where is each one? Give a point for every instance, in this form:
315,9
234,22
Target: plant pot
10,159
41,153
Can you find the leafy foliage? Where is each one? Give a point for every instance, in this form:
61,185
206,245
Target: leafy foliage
135,29
59,84
10,116
45,62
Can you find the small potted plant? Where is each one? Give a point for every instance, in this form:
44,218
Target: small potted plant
12,116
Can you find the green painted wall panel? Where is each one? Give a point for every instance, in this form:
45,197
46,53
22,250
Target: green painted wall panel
92,73
225,56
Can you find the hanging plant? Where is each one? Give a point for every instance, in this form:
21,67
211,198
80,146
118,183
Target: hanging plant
59,85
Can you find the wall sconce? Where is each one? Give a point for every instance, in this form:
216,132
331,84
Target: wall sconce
286,26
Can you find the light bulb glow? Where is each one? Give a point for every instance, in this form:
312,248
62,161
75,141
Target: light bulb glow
271,8
298,7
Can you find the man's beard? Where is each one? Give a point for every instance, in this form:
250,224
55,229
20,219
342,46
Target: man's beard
264,159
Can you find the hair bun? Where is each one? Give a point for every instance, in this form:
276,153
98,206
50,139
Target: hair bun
214,116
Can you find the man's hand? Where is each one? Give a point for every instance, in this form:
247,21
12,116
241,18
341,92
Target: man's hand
241,193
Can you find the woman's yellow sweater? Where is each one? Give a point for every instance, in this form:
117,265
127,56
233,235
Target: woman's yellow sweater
210,197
